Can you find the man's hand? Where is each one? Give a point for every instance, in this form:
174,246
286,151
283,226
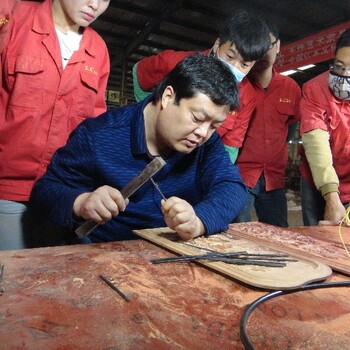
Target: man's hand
100,205
334,210
180,217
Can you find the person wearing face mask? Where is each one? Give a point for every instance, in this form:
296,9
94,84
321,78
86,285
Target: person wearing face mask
243,39
54,75
263,157
325,129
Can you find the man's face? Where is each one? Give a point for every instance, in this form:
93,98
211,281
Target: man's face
189,124
230,54
342,61
270,56
81,12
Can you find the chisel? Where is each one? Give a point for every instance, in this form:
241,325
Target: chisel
152,168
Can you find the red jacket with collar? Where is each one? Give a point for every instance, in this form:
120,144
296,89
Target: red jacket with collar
265,149
320,109
40,103
151,70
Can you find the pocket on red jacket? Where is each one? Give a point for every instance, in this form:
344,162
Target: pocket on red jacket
25,78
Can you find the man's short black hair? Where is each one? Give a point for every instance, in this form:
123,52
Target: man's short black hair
248,32
273,29
344,40
204,74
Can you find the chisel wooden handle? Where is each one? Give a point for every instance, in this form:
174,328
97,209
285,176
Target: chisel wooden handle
152,168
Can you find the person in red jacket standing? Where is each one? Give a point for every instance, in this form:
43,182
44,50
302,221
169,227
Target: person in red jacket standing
325,130
243,39
54,75
263,157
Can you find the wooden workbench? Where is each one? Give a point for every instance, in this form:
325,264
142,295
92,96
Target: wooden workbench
54,299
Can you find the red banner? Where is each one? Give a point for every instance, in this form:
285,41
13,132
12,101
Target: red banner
311,49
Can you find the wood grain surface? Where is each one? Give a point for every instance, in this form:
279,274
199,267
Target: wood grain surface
54,299
293,275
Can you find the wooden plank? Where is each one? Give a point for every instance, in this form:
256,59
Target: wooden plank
325,233
315,242
259,276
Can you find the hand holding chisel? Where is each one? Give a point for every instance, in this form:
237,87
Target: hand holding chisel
105,202
180,216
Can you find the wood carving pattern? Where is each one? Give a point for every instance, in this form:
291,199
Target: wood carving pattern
294,241
259,276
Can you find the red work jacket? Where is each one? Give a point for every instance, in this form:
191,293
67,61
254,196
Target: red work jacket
264,148
6,9
233,130
40,103
151,70
320,109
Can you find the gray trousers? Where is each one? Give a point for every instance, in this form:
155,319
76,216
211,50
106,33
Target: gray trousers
21,227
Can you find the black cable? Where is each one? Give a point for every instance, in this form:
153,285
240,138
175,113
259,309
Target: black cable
244,320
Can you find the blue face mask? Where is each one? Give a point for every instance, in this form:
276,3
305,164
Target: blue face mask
236,72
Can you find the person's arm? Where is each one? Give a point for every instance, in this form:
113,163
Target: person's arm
315,136
139,93
319,157
7,8
225,192
224,195
334,210
100,105
180,216
294,119
70,174
233,130
100,205
232,152
149,71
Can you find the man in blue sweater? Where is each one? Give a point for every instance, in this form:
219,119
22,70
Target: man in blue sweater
203,188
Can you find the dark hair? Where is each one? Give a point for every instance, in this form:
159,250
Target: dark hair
344,40
248,32
200,73
273,29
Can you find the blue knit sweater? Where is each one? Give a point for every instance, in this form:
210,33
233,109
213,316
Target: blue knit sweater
111,150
